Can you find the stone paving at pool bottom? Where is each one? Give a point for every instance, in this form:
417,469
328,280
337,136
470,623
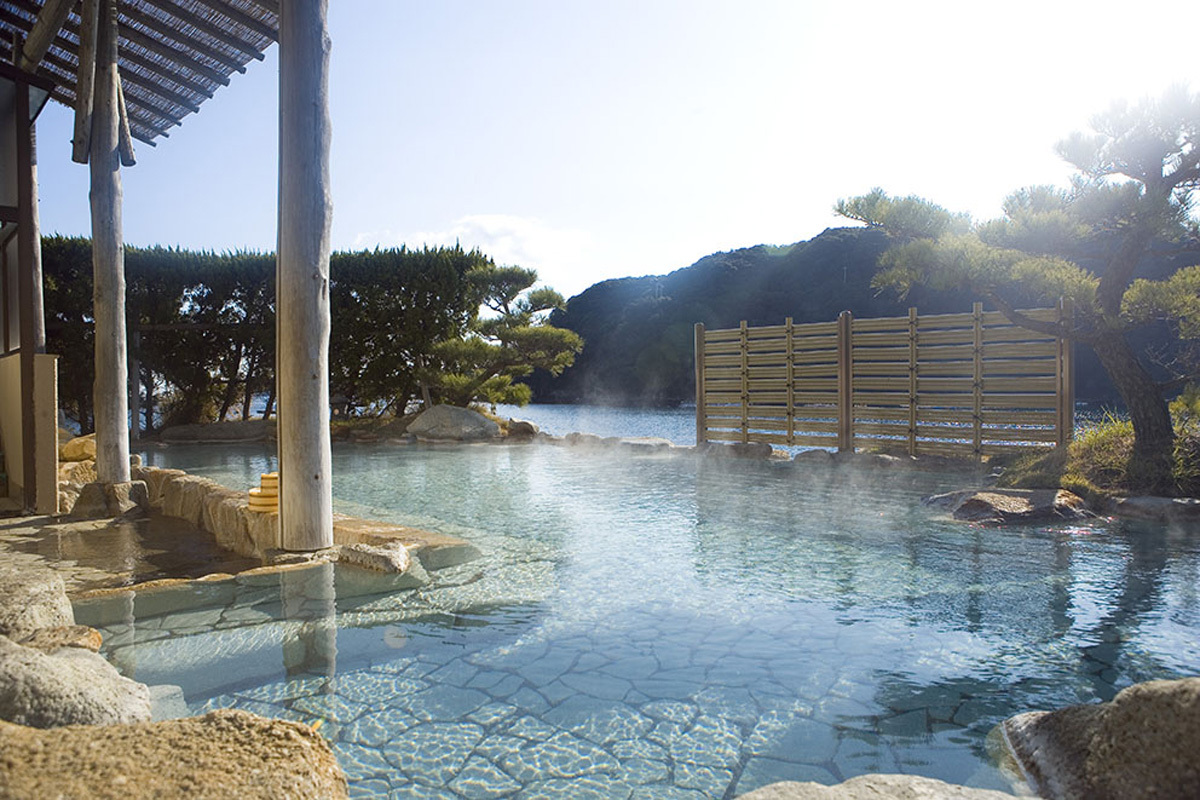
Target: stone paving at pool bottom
579,717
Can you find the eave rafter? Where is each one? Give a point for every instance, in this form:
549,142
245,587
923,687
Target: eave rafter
173,54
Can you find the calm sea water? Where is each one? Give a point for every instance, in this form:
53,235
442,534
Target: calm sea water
675,424
665,626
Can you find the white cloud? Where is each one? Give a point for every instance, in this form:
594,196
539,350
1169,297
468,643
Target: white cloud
564,258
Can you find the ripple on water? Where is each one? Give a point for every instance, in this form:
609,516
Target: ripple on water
674,628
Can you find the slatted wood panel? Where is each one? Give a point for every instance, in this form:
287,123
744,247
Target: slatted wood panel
956,384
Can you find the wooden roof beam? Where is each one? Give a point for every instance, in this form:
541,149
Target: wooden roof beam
201,24
175,74
59,92
172,34
268,5
133,78
243,19
49,21
150,44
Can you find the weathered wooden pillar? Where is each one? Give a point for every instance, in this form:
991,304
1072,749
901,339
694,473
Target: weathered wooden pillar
109,394
302,277
27,290
701,417
845,382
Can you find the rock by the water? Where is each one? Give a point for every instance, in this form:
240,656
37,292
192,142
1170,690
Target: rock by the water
222,754
736,449
81,448
50,639
1142,744
522,429
30,600
71,686
453,423
874,787
1011,505
250,430
1160,509
98,500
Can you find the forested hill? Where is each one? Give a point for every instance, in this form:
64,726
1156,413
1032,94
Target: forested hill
638,332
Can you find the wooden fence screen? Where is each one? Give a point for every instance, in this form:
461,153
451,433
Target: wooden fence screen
948,384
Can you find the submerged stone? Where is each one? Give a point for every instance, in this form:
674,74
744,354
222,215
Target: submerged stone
1011,505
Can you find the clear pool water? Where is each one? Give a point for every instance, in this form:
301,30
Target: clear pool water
651,627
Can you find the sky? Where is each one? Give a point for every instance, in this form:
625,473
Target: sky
596,139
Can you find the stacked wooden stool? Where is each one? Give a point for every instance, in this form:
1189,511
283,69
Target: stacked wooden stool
265,497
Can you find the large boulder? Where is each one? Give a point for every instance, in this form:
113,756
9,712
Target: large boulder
32,599
1142,744
874,787
70,686
453,423
107,500
1011,505
81,448
222,754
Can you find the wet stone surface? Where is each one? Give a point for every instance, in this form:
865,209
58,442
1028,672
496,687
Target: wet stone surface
659,628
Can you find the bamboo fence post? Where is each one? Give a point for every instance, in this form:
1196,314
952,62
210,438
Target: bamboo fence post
791,382
845,384
744,346
1066,376
302,264
977,391
701,420
912,380
109,393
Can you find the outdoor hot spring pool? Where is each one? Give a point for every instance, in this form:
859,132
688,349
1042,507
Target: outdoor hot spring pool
666,626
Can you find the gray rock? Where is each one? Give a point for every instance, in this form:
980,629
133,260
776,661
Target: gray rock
735,449
1011,505
814,457
1142,744
445,422
382,568
522,429
874,787
583,440
100,500
70,686
32,599
1160,509
167,702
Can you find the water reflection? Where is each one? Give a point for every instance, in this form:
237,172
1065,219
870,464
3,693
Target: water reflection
698,626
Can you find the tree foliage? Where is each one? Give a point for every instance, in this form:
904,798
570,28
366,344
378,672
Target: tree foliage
203,328
1130,201
508,343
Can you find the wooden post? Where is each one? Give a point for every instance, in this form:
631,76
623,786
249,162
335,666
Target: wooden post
977,393
744,341
790,360
912,381
135,385
302,277
26,291
701,416
1066,377
845,383
85,79
109,393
